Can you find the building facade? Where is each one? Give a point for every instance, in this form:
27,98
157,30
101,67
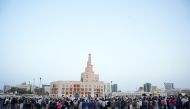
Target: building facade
46,88
155,89
114,87
26,86
107,89
147,87
89,86
141,89
169,86
6,88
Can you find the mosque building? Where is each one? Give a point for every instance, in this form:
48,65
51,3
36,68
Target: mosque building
88,86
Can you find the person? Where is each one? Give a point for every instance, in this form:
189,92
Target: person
80,104
185,102
20,103
8,103
117,106
150,103
155,103
85,104
71,104
59,104
178,103
168,102
109,104
159,102
163,103
103,104
43,104
138,104
144,103
52,104
76,103
66,103
123,104
172,102
1,103
39,103
98,104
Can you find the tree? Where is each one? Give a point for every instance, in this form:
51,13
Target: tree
29,92
1,91
21,91
46,93
38,91
144,94
12,90
16,90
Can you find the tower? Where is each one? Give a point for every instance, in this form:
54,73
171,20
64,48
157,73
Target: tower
147,87
89,75
89,67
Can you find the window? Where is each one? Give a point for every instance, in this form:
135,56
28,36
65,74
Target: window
86,89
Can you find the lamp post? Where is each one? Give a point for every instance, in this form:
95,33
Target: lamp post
111,89
29,87
40,82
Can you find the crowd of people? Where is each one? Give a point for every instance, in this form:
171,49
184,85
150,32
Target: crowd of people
124,102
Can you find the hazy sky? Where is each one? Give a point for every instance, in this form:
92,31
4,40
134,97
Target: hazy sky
132,42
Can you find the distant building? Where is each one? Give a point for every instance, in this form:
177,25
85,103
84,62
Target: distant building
6,88
162,92
131,94
107,88
141,89
114,87
89,86
46,88
185,91
168,86
176,91
155,89
172,92
26,86
147,87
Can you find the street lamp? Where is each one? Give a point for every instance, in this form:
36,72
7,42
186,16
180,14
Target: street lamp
111,88
40,82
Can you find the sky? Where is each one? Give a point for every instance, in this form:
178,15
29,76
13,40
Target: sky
131,41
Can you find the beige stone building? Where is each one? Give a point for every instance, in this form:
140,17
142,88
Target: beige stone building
89,86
